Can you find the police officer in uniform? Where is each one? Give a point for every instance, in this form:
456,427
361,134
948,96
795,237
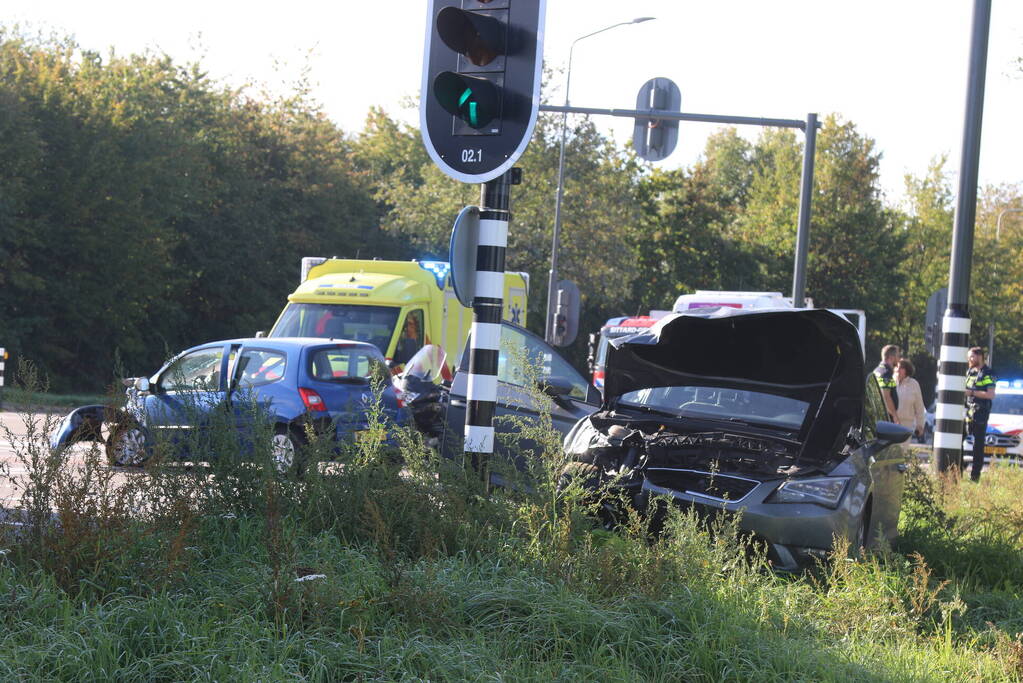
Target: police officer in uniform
884,373
980,392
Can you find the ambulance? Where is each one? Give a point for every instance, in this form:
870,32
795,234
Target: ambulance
703,298
398,306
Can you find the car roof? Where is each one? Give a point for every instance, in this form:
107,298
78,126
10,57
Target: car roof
1005,386
291,343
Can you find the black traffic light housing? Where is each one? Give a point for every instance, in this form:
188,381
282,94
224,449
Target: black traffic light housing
481,84
566,314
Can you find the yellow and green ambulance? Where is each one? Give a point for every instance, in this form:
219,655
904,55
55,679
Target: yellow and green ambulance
399,306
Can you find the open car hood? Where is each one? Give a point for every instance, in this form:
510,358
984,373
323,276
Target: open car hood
812,355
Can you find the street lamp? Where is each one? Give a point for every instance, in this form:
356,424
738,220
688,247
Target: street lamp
998,223
991,325
552,285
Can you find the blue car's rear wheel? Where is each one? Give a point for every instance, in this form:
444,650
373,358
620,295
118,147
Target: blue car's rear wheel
284,451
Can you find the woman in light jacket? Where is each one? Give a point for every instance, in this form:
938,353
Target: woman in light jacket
911,402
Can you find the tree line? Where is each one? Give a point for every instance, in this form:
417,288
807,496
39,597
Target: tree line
146,207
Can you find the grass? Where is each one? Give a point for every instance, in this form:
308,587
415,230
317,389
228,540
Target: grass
17,398
194,574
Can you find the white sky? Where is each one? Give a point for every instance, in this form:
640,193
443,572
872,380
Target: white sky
896,68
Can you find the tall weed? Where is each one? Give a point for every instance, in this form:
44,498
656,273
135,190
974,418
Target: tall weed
385,560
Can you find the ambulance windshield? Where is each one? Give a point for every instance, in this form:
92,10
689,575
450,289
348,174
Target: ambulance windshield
373,324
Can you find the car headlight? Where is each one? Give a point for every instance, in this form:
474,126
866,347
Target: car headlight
826,491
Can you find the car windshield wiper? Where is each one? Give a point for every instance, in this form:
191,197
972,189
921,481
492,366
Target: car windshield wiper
648,409
766,425
701,417
767,431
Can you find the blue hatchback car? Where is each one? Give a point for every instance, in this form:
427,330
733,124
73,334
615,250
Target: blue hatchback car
331,384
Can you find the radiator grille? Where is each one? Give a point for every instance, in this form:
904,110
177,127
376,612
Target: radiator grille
724,487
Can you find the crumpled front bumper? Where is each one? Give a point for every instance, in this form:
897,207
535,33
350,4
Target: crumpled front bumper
796,534
81,424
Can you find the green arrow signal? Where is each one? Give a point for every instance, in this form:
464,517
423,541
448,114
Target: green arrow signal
473,99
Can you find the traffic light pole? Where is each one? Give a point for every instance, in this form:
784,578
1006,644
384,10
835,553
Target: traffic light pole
952,364
803,228
487,306
809,127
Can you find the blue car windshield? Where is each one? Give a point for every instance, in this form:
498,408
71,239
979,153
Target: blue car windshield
373,324
720,404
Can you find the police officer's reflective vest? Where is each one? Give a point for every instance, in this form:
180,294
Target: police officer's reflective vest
979,379
886,381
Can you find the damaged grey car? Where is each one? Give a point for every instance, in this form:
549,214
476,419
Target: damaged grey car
769,412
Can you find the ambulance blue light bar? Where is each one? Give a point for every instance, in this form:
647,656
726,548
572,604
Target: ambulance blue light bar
440,270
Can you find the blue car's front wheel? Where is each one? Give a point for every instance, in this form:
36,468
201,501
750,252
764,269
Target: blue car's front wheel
126,445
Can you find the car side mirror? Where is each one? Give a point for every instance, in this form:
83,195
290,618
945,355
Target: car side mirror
260,334
556,387
142,385
892,433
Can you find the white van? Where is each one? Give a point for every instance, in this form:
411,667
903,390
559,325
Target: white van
707,298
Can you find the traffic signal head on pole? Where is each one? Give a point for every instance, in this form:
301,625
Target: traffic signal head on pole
481,84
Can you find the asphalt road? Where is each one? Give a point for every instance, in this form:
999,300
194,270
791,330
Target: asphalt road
14,432
13,428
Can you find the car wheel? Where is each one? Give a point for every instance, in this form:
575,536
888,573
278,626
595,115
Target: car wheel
858,542
593,481
284,449
126,446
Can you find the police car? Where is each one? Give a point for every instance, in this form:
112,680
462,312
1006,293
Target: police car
1005,425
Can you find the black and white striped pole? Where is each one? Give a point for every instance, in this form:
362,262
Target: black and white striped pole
487,306
3,359
950,411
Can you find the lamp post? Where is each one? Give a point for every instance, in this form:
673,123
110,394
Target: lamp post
998,223
552,285
991,325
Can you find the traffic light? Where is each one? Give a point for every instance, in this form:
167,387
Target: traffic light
481,84
566,314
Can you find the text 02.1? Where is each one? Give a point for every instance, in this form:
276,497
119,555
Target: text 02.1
472,156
